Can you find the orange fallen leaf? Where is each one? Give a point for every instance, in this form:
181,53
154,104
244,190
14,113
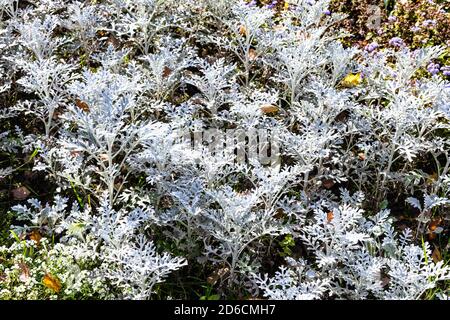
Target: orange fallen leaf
35,236
268,108
330,216
102,33
242,30
82,105
52,282
434,224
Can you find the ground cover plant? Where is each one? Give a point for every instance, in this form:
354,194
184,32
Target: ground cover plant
222,149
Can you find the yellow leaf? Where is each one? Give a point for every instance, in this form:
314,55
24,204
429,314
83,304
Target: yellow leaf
51,282
286,5
351,80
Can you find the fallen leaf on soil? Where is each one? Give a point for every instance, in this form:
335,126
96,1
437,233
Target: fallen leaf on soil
166,72
328,184
330,216
75,153
279,214
434,224
351,80
82,105
268,108
242,30
20,193
436,255
431,236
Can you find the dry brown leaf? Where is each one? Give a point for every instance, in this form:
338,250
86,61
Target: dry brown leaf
434,224
328,183
75,153
82,105
436,255
330,216
166,72
35,236
52,282
252,54
268,108
56,115
279,214
431,235
243,30
20,193
102,33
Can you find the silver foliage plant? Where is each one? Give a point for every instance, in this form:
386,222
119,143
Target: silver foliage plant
356,258
153,113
